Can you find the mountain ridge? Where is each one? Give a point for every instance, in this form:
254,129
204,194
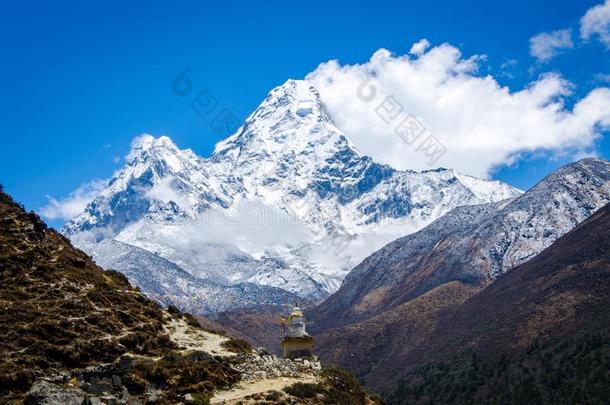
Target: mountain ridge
473,244
417,279
288,161
540,333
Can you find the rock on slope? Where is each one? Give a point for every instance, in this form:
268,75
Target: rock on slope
292,170
392,300
74,334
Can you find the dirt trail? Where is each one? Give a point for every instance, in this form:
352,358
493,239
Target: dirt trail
245,388
190,338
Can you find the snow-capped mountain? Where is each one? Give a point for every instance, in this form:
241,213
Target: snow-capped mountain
164,281
286,202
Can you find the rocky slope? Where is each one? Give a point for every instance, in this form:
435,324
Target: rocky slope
394,300
286,202
76,334
539,334
471,245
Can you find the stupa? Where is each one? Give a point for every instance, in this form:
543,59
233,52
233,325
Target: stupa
296,343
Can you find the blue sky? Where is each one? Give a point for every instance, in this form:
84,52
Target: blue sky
81,79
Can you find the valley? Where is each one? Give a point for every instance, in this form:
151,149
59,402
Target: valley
305,203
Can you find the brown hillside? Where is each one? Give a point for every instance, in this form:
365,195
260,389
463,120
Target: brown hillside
559,295
76,334
260,327
61,312
471,245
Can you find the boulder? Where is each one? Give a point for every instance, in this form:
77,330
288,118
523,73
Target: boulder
261,351
46,393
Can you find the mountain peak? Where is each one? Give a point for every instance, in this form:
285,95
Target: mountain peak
592,162
161,154
573,174
299,89
146,143
291,117
300,97
290,157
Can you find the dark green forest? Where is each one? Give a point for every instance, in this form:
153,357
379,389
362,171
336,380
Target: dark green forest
574,371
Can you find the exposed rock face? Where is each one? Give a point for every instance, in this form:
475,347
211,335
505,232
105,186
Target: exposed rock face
255,367
124,381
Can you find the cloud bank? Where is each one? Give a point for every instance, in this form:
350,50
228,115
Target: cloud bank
75,203
394,106
165,191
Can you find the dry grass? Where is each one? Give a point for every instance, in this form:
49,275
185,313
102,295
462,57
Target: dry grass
60,312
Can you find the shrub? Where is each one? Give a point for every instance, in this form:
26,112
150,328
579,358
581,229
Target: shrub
342,387
304,390
200,399
237,346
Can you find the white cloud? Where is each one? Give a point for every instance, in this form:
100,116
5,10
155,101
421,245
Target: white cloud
602,77
508,67
596,22
420,47
142,140
546,45
67,208
166,190
252,226
509,63
480,123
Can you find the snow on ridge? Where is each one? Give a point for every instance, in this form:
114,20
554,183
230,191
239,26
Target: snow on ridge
288,156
